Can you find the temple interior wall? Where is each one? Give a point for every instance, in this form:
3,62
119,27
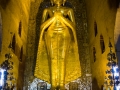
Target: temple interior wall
101,12
14,12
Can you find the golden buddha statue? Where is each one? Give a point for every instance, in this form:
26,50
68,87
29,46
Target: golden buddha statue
57,58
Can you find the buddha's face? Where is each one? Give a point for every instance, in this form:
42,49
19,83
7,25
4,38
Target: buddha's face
58,2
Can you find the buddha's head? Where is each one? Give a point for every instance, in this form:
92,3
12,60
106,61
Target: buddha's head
58,2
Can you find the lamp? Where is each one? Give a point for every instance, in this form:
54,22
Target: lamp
113,70
7,65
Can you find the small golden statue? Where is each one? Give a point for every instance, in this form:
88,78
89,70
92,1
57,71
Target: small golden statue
57,57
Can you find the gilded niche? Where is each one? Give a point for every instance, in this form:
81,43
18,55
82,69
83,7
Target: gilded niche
57,58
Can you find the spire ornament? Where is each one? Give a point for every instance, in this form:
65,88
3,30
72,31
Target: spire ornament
53,1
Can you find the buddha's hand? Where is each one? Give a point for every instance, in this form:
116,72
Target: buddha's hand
57,14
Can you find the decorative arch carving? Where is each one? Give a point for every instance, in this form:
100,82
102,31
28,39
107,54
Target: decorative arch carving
94,54
21,54
95,28
102,44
